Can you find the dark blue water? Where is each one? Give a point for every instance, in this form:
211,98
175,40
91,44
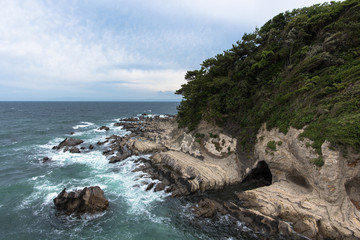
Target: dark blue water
28,132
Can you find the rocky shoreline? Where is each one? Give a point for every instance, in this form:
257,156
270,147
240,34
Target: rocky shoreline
299,201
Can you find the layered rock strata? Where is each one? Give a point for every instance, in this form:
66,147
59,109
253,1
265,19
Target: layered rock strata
184,163
319,201
303,199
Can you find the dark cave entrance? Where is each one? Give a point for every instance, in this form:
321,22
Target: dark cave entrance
260,176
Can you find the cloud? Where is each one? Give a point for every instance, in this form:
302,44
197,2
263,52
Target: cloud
52,48
230,11
76,46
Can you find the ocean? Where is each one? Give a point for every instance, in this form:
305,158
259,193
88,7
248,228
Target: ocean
29,130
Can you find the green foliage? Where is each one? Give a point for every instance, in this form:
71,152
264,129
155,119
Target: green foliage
301,69
213,135
199,135
318,161
271,145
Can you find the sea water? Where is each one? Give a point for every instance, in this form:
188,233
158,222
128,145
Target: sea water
29,130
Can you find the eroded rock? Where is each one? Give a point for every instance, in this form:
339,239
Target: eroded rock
319,201
74,150
87,200
104,128
46,159
68,142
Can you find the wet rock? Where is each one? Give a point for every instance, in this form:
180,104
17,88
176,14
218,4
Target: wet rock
68,142
102,143
144,182
260,222
87,200
108,152
208,208
91,147
159,187
74,150
168,189
46,159
104,128
119,158
150,186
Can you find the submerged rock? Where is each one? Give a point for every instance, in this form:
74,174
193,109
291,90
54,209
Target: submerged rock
68,142
87,200
104,128
150,186
74,150
46,159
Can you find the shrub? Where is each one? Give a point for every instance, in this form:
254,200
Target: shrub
271,145
318,161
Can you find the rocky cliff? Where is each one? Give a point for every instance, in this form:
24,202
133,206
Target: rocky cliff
318,201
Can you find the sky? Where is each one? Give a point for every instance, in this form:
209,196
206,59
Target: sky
118,50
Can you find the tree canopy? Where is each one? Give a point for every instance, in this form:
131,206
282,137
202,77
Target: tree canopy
302,68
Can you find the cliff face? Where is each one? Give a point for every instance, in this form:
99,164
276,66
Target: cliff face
195,162
317,200
304,198
299,73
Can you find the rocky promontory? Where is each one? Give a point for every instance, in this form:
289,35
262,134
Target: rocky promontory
303,199
298,198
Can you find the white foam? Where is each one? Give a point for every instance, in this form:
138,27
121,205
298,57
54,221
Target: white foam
89,217
117,180
83,125
94,159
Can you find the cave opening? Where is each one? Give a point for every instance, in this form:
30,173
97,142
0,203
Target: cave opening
260,176
352,188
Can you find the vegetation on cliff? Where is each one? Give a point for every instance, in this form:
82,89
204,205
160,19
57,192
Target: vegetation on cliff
302,68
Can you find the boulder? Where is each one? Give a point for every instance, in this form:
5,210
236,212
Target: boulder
68,142
102,143
91,147
74,150
123,153
87,200
46,159
159,187
150,186
208,208
104,128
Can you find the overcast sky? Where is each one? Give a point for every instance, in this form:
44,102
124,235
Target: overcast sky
118,50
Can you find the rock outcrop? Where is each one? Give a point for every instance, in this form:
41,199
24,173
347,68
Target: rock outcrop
87,200
319,201
104,128
190,174
257,221
67,143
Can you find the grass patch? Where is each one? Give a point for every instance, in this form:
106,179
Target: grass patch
271,145
318,161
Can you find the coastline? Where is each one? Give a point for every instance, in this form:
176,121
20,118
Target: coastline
276,192
187,164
